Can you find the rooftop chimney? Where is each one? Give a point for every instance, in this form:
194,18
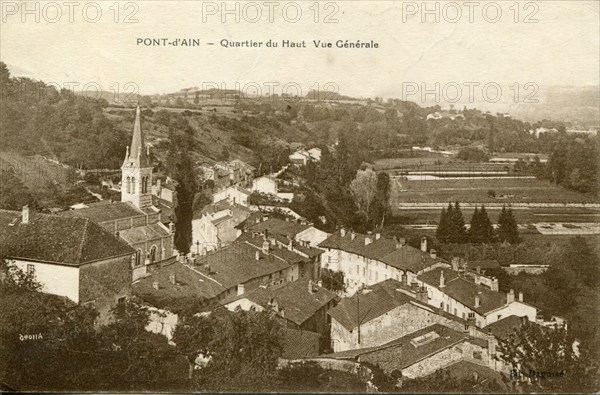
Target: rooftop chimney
442,280
240,289
257,255
477,301
520,296
320,284
342,232
265,247
352,235
433,254
377,236
478,269
155,285
310,287
455,262
25,215
424,244
494,285
368,240
510,296
172,279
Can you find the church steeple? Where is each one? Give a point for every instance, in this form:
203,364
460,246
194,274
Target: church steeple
136,172
137,149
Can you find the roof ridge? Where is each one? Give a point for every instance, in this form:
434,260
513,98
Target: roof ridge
83,239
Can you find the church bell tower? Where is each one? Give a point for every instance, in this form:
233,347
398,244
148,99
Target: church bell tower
136,172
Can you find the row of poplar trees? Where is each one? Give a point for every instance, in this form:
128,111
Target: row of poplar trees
452,227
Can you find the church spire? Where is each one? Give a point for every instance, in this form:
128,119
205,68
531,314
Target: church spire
137,149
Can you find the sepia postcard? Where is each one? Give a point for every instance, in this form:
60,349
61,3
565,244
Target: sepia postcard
309,196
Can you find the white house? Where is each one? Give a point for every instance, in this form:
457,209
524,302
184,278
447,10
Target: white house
369,259
265,184
234,195
71,257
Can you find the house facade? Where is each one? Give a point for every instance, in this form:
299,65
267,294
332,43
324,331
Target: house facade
70,257
367,259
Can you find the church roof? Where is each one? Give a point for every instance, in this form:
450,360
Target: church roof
106,212
137,148
57,239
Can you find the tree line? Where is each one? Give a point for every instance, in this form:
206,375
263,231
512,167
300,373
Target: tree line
452,227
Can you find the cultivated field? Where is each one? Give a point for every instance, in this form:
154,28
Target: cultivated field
507,190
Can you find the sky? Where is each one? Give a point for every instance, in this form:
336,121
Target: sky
560,45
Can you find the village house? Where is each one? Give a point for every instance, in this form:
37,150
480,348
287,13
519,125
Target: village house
300,231
233,194
233,270
383,312
303,304
466,295
165,191
423,352
214,226
302,157
367,259
266,185
70,257
135,219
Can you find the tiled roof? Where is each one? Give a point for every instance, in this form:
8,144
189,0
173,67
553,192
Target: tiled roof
222,219
280,252
57,239
278,227
106,212
299,344
383,249
145,233
464,290
503,328
237,264
408,258
298,303
374,302
310,251
402,352
190,284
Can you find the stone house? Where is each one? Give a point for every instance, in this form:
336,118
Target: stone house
71,257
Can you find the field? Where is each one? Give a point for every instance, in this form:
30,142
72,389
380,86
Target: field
465,190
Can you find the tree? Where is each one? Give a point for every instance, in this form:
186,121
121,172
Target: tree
507,227
193,337
381,205
243,348
363,189
443,230
481,229
333,280
546,357
456,225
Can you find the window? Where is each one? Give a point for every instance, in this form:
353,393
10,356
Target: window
30,270
376,276
455,312
499,316
477,355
